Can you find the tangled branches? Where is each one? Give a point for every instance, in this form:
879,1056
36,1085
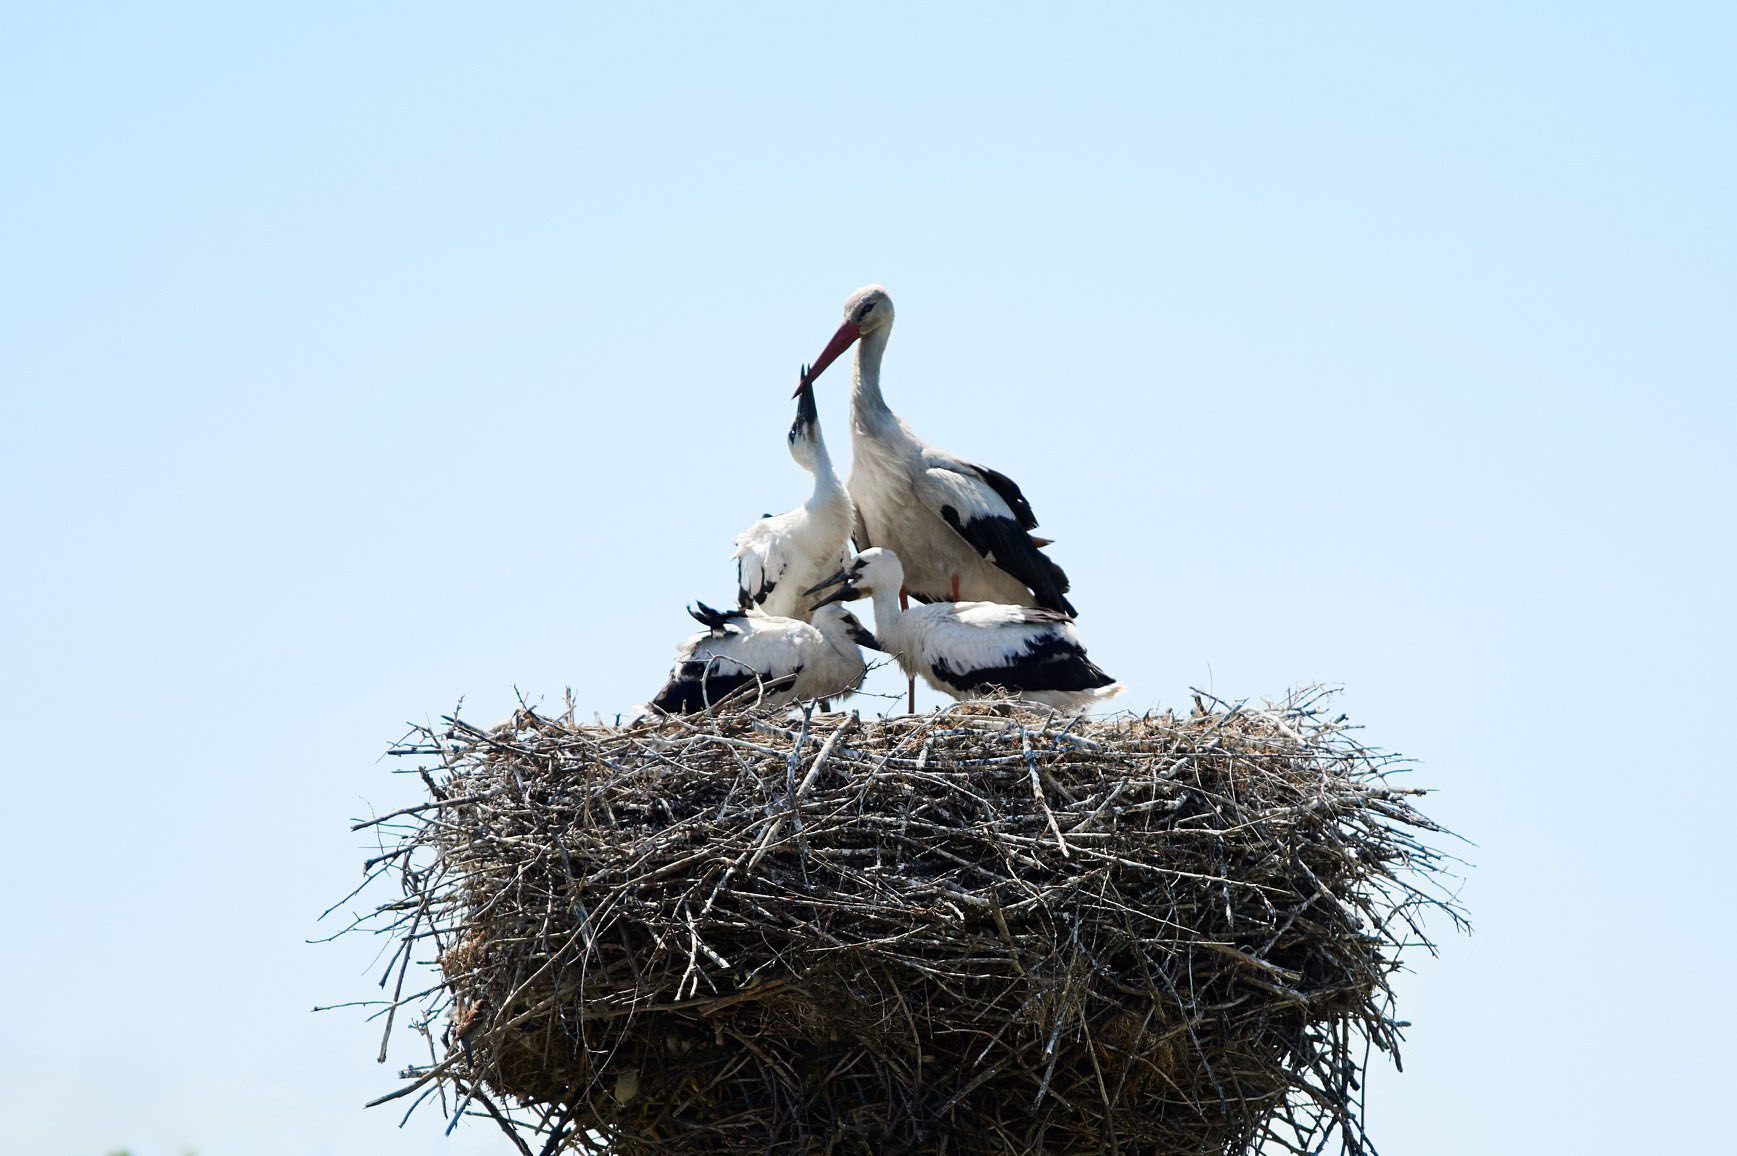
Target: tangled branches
985,930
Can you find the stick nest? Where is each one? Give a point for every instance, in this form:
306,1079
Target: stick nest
984,930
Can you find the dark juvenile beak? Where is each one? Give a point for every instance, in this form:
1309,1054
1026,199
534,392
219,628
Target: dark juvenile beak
845,592
860,634
807,416
847,335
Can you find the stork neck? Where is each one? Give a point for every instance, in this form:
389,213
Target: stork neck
827,484
889,616
866,403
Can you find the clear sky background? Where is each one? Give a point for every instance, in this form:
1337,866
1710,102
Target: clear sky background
356,361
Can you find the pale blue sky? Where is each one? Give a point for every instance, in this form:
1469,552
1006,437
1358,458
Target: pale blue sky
357,361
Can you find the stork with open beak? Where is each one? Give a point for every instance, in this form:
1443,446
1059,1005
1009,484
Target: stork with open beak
781,555
967,649
963,530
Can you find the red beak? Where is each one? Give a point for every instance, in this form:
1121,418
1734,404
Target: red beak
842,340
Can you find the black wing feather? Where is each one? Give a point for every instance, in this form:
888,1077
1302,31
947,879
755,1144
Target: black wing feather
747,601
717,621
1007,544
1050,661
692,687
1009,491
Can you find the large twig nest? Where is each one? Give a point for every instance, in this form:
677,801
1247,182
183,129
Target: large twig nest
987,930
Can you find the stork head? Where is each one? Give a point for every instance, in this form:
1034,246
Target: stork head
839,624
872,571
804,436
867,310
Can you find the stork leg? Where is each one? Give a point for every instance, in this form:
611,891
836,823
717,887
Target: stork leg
911,682
955,583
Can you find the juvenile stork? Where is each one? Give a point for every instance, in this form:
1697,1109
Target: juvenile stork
964,530
781,555
966,649
748,656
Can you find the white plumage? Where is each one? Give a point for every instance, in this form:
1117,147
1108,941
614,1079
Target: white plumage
967,649
781,555
963,529
758,657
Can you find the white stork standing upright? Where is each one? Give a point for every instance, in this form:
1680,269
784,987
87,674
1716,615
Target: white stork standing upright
965,649
748,656
781,555
962,529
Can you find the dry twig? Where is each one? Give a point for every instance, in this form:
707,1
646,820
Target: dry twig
985,930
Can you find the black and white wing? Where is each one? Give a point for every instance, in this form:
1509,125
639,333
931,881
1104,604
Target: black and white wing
742,653
763,553
976,647
987,509
779,557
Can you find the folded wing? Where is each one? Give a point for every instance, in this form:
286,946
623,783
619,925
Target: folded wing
987,509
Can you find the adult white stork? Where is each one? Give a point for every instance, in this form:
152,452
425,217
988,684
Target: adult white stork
962,529
966,649
781,555
749,657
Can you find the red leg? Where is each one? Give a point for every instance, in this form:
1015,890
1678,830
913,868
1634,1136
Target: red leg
955,587
910,683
